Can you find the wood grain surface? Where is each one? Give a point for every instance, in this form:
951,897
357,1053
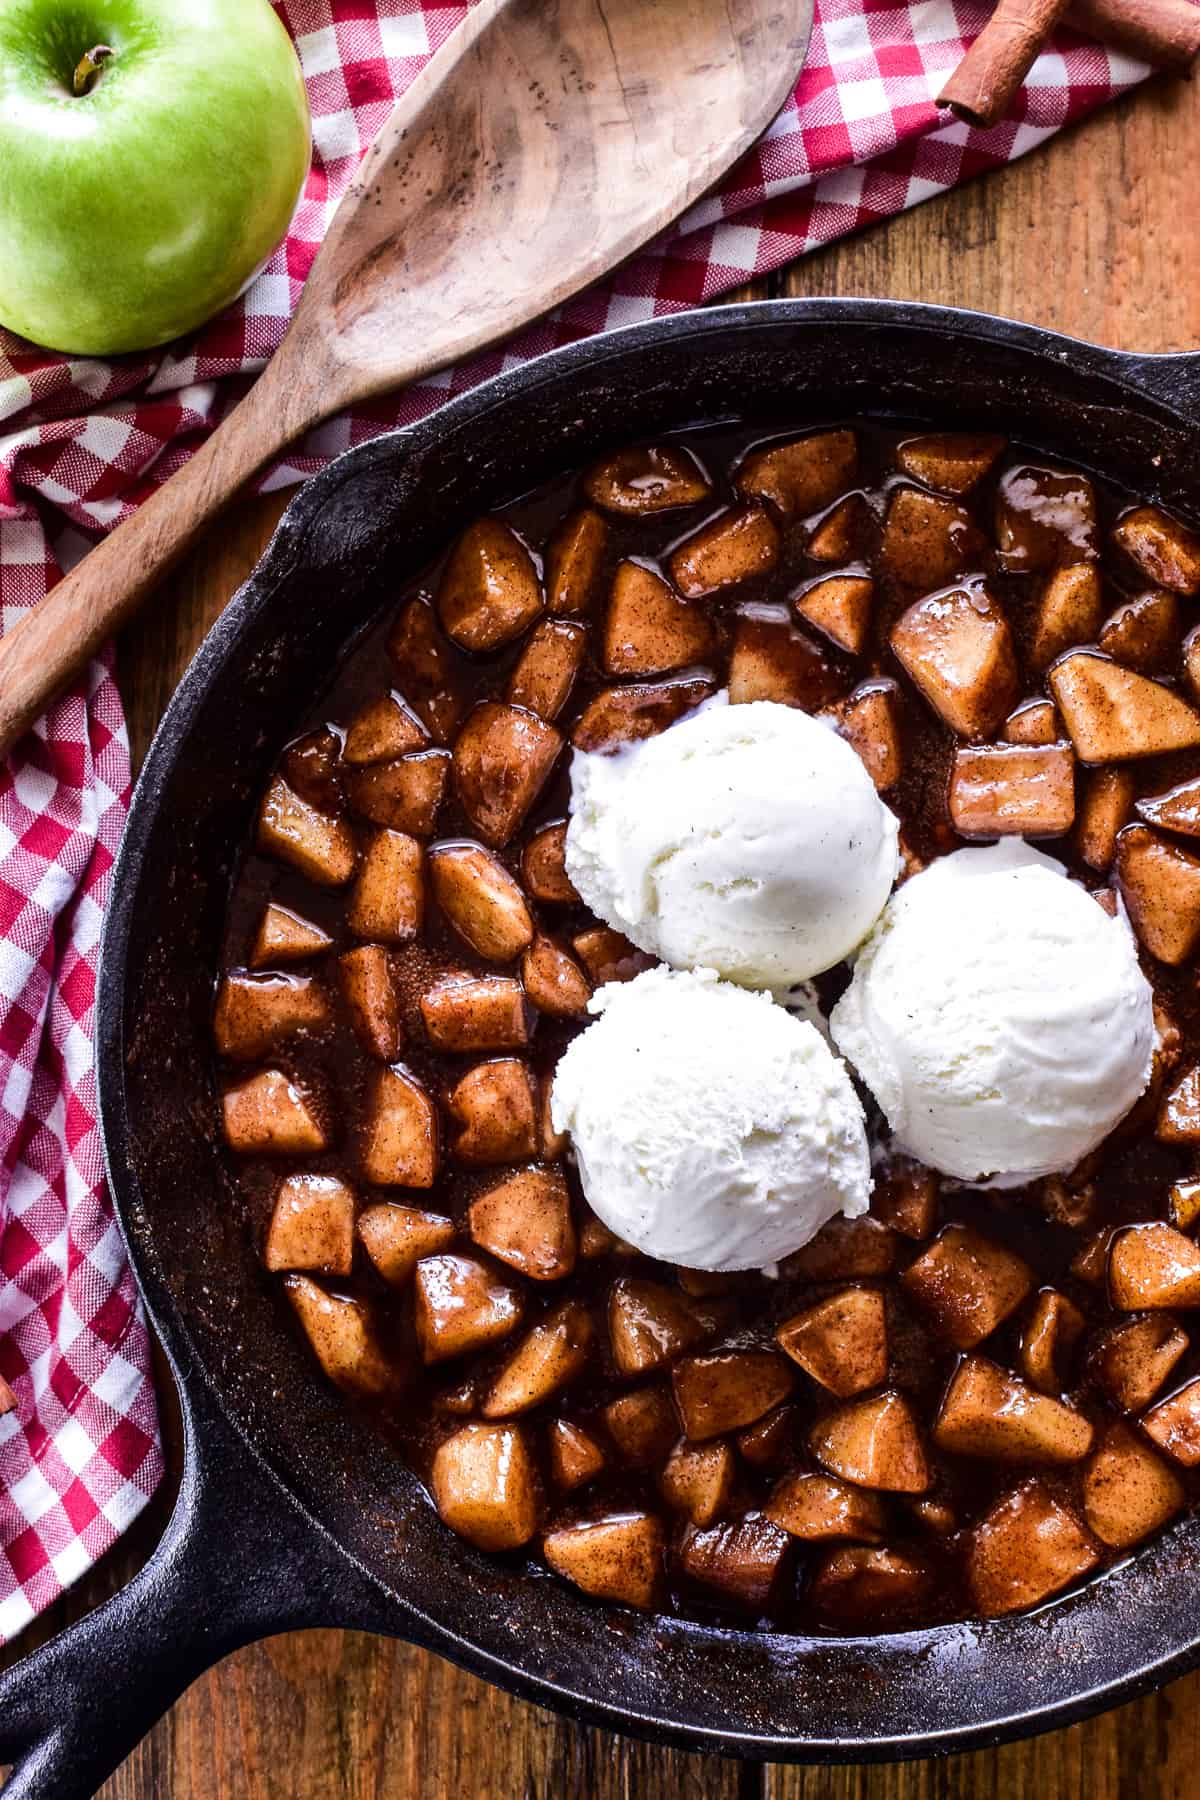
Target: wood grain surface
1096,234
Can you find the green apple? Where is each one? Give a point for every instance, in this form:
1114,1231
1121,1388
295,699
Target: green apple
151,156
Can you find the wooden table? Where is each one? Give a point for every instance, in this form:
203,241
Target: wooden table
1099,235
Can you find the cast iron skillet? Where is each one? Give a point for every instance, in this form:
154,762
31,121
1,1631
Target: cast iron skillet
292,1512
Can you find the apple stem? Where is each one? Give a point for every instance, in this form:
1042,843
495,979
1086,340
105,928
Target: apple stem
88,68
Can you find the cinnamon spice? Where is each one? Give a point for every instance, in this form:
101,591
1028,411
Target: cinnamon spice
986,81
1165,33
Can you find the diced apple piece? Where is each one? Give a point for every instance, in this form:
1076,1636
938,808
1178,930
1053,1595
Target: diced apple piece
544,869
874,1443
863,1586
1034,722
485,1486
459,1401
284,937
928,541
489,592
383,730
372,997
554,981
319,845
544,1362
1165,551
987,1412
841,536
312,1225
465,1014
1183,1203
459,1305
952,462
575,561
8,1400
769,1442
1128,1491
800,477
312,767
1153,1267
1069,610
607,956
575,1456
1071,1204
648,629
1114,714
256,1011
1174,1424
1177,810
553,1143
502,761
649,1325
844,1250
818,1508
841,1342
1022,790
840,608
648,478
525,1221
617,1558
967,1284
1143,633
1191,661
404,795
396,1238
1028,1547
1103,812
388,902
906,1198
869,720
1179,1113
1090,1262
730,1388
697,1480
1160,885
773,660
958,650
271,1115
1045,518
428,669
341,1333
1054,1328
643,1426
738,1563
495,1108
543,679
481,900
400,1139
732,548
595,1239
627,715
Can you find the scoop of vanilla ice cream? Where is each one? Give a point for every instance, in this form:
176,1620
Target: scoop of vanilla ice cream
746,839
999,1016
710,1126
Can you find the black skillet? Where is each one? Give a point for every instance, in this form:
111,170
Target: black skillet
292,1512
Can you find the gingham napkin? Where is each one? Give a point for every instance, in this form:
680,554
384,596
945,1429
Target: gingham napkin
81,442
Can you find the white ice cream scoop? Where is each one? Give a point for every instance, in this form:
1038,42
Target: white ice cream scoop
999,1017
710,1126
746,839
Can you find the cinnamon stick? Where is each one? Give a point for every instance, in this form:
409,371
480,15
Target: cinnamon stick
985,83
1163,32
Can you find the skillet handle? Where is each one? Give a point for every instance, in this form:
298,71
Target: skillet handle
238,1561
1172,376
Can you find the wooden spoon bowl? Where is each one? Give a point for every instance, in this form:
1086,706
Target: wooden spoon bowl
544,143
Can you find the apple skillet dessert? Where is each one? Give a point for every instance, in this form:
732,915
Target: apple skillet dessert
709,1031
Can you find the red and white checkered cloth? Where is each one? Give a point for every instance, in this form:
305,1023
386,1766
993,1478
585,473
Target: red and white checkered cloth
81,442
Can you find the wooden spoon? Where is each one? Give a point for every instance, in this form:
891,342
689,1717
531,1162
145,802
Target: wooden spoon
545,141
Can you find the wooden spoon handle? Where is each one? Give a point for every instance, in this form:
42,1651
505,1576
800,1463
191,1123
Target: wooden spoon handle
47,648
